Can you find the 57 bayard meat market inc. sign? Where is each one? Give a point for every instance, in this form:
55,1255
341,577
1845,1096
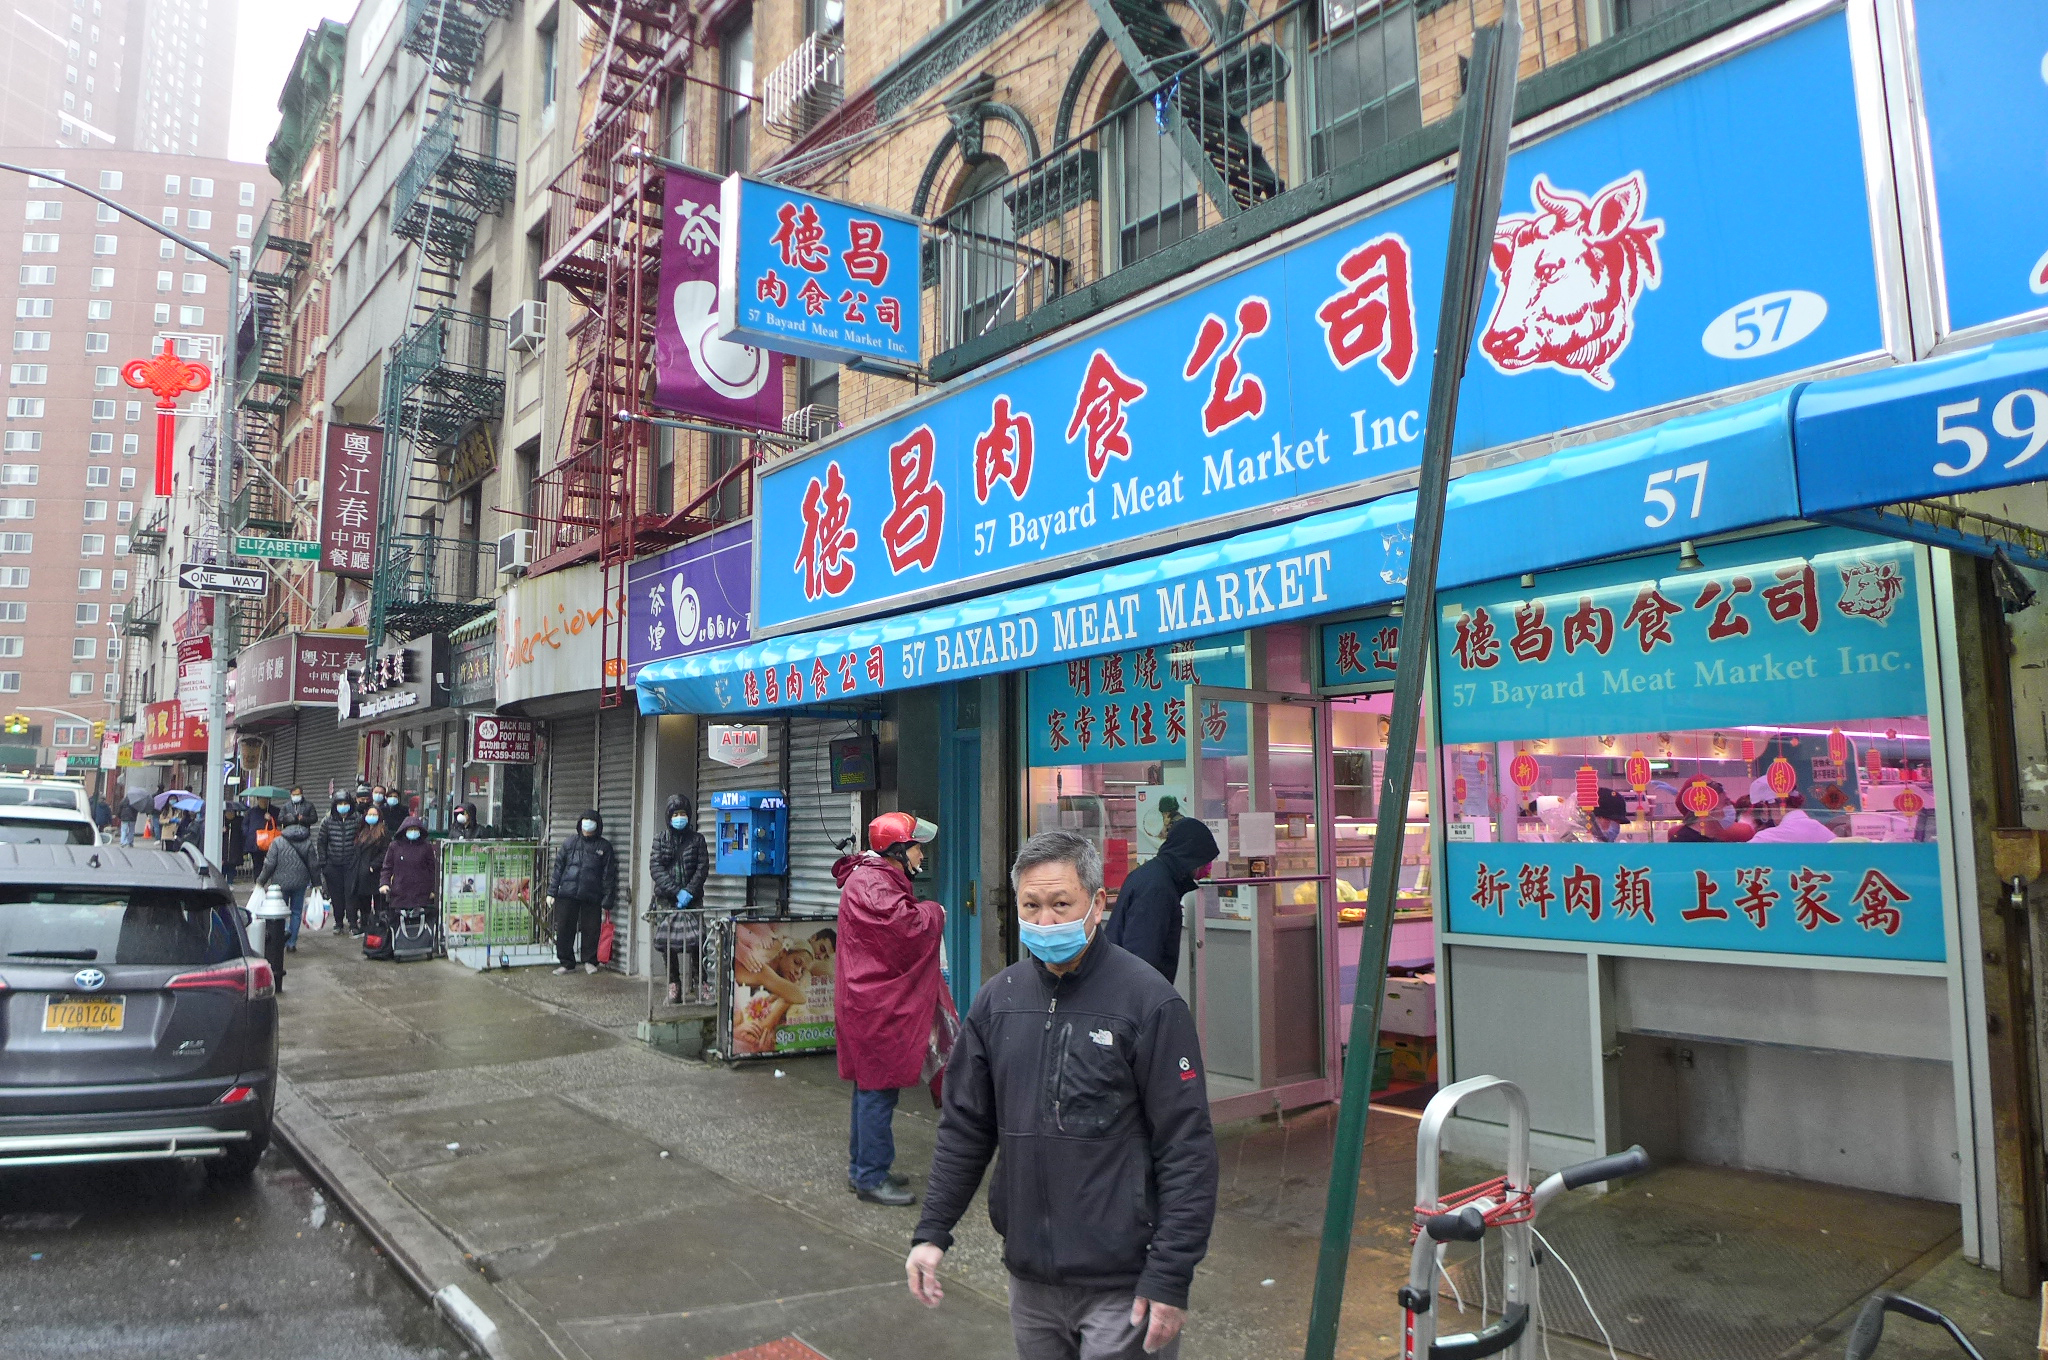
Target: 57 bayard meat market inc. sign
1677,245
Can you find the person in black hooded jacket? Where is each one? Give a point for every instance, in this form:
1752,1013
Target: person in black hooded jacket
581,885
678,864
1147,916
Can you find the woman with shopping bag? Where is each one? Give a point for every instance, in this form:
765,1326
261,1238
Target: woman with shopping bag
290,863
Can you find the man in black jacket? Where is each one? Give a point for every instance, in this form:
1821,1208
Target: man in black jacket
1080,1065
334,851
581,885
678,864
1147,918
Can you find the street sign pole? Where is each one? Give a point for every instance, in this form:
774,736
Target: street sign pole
1475,211
223,508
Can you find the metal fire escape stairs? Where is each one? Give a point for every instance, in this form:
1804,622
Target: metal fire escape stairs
445,375
605,232
1206,121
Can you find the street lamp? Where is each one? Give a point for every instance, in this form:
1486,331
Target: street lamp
223,486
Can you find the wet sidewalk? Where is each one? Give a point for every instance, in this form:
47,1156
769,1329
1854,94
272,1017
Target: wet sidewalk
601,1198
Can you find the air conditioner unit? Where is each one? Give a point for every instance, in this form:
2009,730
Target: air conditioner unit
811,422
303,488
515,550
527,327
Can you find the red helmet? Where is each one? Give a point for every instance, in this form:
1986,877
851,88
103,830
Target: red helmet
896,828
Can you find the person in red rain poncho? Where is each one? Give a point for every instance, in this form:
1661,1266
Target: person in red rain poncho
886,992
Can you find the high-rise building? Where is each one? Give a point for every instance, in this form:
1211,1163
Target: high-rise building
141,75
90,290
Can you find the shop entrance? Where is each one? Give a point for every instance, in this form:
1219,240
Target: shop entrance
959,847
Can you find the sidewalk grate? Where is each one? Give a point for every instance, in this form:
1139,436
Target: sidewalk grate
788,1348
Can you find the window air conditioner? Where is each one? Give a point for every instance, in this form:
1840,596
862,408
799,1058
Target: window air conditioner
527,327
515,550
303,488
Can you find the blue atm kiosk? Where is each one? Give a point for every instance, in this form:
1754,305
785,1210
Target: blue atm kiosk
752,831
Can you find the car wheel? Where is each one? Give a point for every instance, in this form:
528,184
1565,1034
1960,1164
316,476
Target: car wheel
238,1162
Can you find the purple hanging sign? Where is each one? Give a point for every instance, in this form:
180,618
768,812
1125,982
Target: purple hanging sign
695,372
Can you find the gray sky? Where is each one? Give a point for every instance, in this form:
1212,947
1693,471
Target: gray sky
267,40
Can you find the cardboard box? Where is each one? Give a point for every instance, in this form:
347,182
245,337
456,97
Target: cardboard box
1414,1056
1409,1006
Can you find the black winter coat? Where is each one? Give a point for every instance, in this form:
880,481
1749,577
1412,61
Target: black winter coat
586,867
337,838
1091,1088
366,868
680,860
1147,917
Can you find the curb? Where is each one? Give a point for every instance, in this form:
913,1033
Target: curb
492,1325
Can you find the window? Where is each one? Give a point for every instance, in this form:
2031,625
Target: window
98,476
95,510
105,375
120,545
16,508
102,409
35,307
104,245
13,578
31,340
195,283
38,275
19,474
549,57
120,584
18,543
110,179
161,316
100,445
1157,197
124,512
28,374
245,225
113,647
199,219
82,682
14,611
14,645
24,441
167,250
24,408
128,479
89,578
97,342
99,309
130,444
191,316
170,186
735,112
1366,92
110,685
981,219
39,243
85,649
200,187
163,281
102,277
70,734
10,682
93,545
45,210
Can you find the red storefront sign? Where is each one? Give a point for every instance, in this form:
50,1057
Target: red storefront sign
169,731
350,495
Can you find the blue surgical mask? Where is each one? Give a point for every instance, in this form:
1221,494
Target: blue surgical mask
587,827
370,817
413,834
679,821
1059,943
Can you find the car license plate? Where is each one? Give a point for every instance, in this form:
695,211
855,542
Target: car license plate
84,1013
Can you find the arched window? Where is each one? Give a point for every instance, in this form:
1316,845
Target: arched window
1155,195
987,265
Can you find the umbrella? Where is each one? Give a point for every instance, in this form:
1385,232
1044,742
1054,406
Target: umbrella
269,791
167,795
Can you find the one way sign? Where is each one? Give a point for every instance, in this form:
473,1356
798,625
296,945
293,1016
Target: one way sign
222,580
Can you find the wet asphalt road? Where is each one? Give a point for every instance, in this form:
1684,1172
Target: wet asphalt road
152,1260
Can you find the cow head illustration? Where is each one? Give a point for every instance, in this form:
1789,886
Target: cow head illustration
1569,277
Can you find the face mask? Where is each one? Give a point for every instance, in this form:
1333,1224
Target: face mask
679,821
413,835
370,817
587,827
461,820
1059,943
341,809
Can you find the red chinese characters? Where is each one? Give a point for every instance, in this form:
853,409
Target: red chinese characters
864,259
1534,886
824,557
1215,726
800,236
1176,721
1490,890
770,287
1080,678
1589,625
1632,893
853,301
750,685
917,516
1349,662
1796,597
821,677
1726,623
1703,908
1533,637
875,666
1113,673
1084,727
889,312
1099,409
1234,394
1374,314
814,298
1141,724
1810,898
1582,892
1146,668
1878,899
1755,896
1056,738
1002,452
1112,726
1651,616
1478,643
849,673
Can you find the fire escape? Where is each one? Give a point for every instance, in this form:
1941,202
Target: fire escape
445,376
604,234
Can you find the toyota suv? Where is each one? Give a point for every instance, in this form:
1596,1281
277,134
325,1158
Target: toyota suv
136,1023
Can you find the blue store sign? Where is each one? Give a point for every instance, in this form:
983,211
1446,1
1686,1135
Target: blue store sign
1361,652
801,274
1133,705
1678,245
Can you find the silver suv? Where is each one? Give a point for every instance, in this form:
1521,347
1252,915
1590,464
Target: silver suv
136,1023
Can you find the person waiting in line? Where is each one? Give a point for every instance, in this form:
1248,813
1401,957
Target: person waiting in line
410,879
886,993
337,855
581,885
293,864
102,814
1784,821
129,812
232,840
678,864
463,825
1148,914
366,869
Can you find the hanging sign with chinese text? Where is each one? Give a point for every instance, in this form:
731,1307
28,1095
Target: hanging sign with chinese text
501,741
350,493
813,276
169,729
690,599
1306,372
1133,705
1850,899
1808,627
1360,651
696,372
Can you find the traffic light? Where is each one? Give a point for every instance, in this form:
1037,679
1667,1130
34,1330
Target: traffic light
14,725
99,731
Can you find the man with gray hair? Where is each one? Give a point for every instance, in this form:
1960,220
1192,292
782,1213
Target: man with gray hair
1081,1066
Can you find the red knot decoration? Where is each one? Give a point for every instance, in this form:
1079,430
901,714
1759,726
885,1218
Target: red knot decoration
170,378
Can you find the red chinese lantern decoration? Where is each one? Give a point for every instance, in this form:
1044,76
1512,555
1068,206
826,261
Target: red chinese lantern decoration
1748,750
1782,777
1482,765
1589,788
1909,803
1637,771
1874,763
170,378
1459,789
1699,797
1523,770
1838,747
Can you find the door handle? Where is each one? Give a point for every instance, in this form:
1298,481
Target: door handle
970,897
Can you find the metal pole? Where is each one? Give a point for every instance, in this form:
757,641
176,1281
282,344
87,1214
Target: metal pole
1475,210
223,509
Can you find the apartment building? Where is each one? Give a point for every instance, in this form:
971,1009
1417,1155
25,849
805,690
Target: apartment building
128,75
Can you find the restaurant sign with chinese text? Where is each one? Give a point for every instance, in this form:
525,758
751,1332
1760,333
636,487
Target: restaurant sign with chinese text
1133,705
274,676
800,274
169,730
350,494
1721,253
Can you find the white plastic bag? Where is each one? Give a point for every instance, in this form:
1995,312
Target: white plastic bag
315,917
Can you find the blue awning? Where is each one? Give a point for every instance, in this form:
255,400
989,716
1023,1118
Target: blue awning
1687,478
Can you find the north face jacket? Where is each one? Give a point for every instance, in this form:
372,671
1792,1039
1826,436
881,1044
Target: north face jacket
1089,1093
337,837
680,860
585,867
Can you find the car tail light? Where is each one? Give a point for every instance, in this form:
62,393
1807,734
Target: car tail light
236,1095
250,978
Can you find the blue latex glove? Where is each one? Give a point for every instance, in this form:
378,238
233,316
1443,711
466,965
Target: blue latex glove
684,899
